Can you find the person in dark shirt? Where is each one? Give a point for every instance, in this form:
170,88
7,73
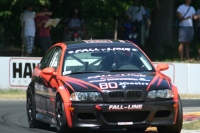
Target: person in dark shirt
74,23
43,35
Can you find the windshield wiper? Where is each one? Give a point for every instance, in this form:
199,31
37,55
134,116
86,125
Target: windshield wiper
122,70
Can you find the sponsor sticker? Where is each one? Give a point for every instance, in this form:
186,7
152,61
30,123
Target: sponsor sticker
125,123
114,85
125,107
119,79
118,76
101,49
124,84
98,41
109,85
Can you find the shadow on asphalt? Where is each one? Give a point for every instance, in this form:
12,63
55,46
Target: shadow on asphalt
53,129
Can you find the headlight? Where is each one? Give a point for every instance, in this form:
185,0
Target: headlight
86,96
167,93
151,94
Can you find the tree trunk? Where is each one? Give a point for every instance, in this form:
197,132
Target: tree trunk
161,26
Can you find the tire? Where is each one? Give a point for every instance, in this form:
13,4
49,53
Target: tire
136,129
61,123
176,128
31,112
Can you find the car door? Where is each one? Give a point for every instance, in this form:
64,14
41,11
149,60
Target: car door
50,82
40,89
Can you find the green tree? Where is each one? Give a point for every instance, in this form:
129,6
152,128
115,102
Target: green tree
98,14
162,21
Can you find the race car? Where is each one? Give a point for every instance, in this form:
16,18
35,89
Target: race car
102,84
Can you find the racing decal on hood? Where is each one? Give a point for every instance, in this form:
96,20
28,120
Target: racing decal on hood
68,85
75,82
114,85
123,84
132,79
117,81
159,77
81,83
118,77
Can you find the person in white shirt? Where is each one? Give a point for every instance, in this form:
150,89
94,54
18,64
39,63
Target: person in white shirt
185,13
28,27
137,15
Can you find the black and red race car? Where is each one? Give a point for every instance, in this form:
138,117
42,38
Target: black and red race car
102,84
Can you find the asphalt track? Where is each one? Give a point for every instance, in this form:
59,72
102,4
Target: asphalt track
13,118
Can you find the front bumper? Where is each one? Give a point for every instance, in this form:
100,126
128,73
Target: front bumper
119,116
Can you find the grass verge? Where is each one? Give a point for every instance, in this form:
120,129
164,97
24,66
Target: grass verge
12,94
192,125
190,96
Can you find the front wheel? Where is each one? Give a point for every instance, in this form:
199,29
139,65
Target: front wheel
176,128
61,123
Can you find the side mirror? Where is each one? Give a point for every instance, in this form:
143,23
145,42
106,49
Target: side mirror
48,71
162,66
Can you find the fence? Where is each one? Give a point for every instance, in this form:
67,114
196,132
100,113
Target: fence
17,73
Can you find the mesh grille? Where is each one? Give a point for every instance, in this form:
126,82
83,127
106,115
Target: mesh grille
116,95
132,95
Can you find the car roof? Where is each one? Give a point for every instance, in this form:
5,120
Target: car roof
74,44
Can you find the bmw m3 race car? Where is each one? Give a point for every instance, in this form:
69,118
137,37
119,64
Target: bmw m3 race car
102,84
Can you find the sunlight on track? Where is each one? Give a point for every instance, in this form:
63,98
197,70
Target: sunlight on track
151,130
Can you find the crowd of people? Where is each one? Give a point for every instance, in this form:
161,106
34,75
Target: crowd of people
34,29
32,22
139,15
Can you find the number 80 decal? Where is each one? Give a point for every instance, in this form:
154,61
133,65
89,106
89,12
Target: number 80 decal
109,85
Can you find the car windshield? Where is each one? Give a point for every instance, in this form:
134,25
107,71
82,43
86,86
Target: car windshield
103,58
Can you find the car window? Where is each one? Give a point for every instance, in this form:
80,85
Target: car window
104,58
46,58
79,61
55,60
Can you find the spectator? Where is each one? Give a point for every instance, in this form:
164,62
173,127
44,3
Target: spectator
28,27
185,13
74,24
144,29
137,14
43,35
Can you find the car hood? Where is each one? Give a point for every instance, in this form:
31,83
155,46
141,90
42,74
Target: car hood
108,81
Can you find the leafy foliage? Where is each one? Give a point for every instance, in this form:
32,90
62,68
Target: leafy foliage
99,15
